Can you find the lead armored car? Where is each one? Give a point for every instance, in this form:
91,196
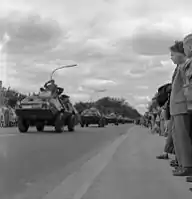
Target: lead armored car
44,109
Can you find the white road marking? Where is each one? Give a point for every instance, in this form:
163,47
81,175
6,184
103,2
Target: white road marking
76,185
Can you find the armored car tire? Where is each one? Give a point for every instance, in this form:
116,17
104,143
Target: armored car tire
101,123
59,123
40,126
23,126
71,123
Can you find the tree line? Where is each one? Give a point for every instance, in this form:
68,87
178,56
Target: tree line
10,96
106,105
109,105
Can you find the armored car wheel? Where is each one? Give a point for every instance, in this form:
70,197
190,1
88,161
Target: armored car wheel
101,123
23,126
71,123
40,126
59,123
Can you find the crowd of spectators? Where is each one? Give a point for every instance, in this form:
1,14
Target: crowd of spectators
172,116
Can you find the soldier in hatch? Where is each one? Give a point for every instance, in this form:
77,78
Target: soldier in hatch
51,86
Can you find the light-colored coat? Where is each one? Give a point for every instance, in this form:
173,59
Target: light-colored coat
181,120
178,103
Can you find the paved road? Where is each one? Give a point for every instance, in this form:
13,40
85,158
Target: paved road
135,173
33,163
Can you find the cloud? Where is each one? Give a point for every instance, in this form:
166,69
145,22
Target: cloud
79,97
31,33
91,89
141,106
142,98
124,50
150,40
134,75
142,87
4,40
96,83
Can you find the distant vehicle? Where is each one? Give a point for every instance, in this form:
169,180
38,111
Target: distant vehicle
128,120
92,116
112,119
121,119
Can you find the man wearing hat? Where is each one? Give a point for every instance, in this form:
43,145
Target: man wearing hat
187,45
51,86
179,113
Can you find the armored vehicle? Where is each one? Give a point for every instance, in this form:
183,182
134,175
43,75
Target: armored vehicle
121,119
92,116
46,109
112,119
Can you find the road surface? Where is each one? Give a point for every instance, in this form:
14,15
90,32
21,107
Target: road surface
32,164
135,173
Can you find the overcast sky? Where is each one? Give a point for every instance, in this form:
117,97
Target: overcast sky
119,45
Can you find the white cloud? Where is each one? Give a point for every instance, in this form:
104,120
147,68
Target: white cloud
130,74
142,98
141,105
97,83
128,46
79,97
142,108
142,87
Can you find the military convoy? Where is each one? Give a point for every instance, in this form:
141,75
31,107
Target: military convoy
50,107
93,116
